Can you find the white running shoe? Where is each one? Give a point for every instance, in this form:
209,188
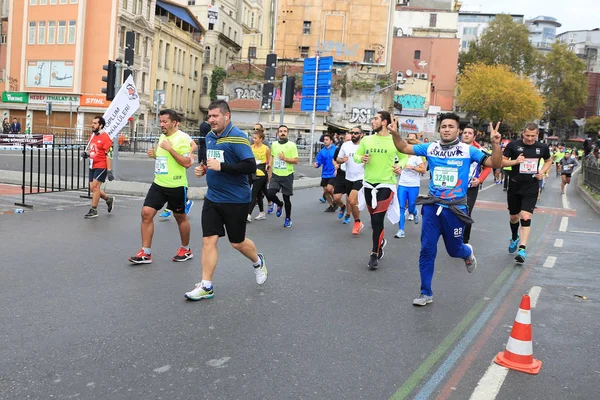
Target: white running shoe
260,216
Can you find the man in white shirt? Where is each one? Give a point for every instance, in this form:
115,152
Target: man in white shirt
354,176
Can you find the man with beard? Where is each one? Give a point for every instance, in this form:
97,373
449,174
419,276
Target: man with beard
284,155
355,173
444,210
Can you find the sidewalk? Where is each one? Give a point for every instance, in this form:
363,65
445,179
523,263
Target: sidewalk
594,204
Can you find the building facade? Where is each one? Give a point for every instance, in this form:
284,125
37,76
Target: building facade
542,32
471,26
586,44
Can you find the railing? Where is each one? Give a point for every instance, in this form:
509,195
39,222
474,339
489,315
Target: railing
591,175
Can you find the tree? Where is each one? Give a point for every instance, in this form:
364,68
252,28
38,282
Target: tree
592,126
562,80
503,42
218,75
493,93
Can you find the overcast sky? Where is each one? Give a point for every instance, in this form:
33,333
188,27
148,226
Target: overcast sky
572,14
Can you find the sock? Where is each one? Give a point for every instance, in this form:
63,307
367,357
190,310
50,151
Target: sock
347,216
514,228
522,247
186,247
147,250
93,208
357,220
257,264
206,284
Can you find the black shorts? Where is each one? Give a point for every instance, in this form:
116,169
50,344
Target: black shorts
522,196
217,217
98,174
174,197
340,183
349,186
285,184
567,175
327,181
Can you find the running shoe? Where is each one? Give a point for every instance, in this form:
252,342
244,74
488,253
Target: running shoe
287,223
110,203
322,200
260,216
279,212
513,244
249,218
373,264
270,208
200,292
188,206
346,220
521,254
417,218
261,272
183,255
330,209
422,300
165,214
399,234
341,212
471,261
141,258
411,217
381,252
93,213
358,226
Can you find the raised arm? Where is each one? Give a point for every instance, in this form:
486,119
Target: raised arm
495,161
400,144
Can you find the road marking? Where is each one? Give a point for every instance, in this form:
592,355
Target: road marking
564,224
549,263
558,243
586,232
565,200
487,187
490,383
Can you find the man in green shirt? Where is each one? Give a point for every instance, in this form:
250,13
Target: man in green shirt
382,165
172,157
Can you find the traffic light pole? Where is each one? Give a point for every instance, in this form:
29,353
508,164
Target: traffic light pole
115,160
281,112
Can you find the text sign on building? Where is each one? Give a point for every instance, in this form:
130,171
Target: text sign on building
15,97
59,99
92,100
213,14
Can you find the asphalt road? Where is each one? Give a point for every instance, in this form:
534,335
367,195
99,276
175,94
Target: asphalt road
79,322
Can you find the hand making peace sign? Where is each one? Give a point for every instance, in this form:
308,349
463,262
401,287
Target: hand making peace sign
495,136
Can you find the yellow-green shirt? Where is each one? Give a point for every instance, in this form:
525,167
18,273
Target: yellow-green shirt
280,167
167,171
383,153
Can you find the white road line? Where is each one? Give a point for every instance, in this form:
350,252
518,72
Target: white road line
565,200
558,243
586,232
490,383
564,224
487,187
549,263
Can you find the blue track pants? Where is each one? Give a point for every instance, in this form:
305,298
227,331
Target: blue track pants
407,193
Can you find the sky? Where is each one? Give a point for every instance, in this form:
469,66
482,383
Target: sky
572,14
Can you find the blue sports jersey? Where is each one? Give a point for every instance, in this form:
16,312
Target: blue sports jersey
325,158
449,168
231,147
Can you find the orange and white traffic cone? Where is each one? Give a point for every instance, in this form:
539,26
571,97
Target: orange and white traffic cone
519,349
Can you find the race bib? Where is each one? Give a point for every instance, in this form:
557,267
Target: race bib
216,154
567,167
529,166
280,164
160,166
91,163
445,177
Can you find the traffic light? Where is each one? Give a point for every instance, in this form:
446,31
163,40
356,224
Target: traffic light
109,78
290,89
267,96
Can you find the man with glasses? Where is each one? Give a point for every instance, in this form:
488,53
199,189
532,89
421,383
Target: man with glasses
355,173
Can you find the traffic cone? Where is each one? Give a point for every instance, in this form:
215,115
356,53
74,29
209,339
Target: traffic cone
519,349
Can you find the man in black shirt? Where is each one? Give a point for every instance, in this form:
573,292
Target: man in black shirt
524,157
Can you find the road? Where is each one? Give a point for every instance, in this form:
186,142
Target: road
79,322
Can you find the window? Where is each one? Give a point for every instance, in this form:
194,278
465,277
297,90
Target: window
252,21
123,37
52,2
306,28
470,31
229,35
31,36
173,95
146,41
195,67
143,82
125,5
72,31
62,31
41,32
138,41
207,55
417,55
157,84
134,6
43,2
465,44
51,31
223,28
191,2
167,49
148,10
189,100
304,52
432,20
235,36
193,102
33,2
63,1
369,56
73,1
3,39
159,55
251,52
140,7
205,85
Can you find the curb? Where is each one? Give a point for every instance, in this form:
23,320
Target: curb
595,204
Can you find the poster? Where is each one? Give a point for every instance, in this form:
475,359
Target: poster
49,74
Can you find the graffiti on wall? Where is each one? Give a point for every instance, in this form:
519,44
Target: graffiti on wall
254,93
360,115
339,48
409,126
410,101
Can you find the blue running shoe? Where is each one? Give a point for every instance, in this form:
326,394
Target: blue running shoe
188,206
521,254
287,223
417,218
322,200
513,244
271,209
278,213
342,212
346,220
165,214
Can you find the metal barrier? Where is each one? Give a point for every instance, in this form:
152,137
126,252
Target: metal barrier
591,175
50,169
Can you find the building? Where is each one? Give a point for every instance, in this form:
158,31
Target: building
256,30
437,20
586,44
471,26
542,32
177,59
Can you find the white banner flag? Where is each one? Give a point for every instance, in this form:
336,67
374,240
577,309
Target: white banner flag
125,103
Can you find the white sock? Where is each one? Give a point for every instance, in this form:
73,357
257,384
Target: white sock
257,263
147,250
186,247
206,284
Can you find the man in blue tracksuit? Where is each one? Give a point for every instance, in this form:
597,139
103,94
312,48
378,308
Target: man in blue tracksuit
325,159
444,210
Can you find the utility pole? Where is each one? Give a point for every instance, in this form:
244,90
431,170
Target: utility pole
115,160
281,112
313,114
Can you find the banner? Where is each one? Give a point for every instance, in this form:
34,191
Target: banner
29,140
125,103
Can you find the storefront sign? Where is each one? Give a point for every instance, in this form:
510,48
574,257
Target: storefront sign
56,99
15,97
90,100
29,140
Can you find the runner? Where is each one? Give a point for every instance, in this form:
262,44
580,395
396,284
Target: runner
558,155
99,151
444,210
355,172
378,154
229,162
567,165
284,155
262,155
408,187
524,155
325,159
172,157
339,189
477,175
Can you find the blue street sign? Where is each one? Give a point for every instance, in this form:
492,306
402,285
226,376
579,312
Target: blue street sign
323,104
324,79
310,91
325,64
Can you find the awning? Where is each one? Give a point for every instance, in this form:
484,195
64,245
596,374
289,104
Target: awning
336,126
180,12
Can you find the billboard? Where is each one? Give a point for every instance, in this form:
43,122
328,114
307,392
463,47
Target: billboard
49,74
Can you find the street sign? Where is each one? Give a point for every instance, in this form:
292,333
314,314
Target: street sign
323,104
317,79
159,98
310,91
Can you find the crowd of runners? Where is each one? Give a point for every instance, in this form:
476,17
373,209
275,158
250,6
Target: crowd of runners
375,176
